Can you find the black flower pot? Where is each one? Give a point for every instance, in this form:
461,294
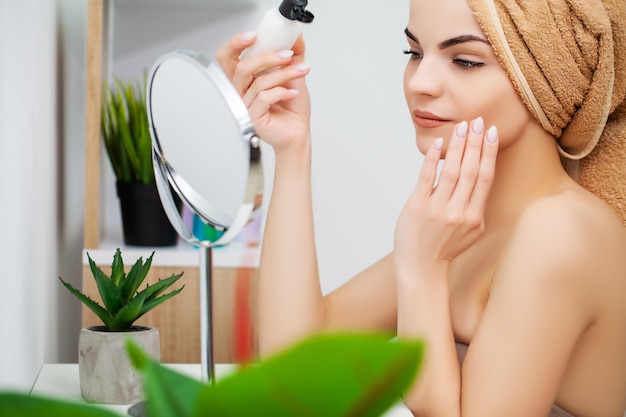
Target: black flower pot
144,221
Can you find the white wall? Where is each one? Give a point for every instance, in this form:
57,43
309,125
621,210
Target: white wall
365,161
71,58
28,161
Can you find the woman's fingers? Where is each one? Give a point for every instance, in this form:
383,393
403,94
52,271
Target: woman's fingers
273,79
467,173
470,164
486,173
259,110
451,169
228,54
428,173
243,72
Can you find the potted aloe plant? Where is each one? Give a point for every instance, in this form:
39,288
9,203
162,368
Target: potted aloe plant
126,135
106,375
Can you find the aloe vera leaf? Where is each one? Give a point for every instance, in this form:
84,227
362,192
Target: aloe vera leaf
127,315
327,375
109,293
168,393
24,405
153,291
102,314
117,268
149,305
135,277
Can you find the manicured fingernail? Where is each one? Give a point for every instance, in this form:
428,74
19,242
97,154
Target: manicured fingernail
248,36
439,144
303,67
461,129
478,126
492,134
287,53
293,92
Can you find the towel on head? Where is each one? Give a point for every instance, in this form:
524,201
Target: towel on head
567,60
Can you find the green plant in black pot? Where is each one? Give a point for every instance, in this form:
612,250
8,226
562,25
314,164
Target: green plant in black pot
106,375
126,136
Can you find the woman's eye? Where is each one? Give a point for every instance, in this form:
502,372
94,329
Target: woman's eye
465,64
414,55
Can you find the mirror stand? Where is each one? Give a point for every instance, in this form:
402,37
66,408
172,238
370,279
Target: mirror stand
206,314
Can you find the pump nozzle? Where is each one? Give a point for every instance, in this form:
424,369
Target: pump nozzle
296,10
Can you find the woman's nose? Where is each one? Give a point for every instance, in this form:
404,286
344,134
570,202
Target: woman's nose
425,77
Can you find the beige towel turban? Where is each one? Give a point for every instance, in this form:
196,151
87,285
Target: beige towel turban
567,60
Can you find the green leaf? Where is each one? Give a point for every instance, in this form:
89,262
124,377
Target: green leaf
127,315
125,130
149,305
22,405
153,291
117,268
328,375
168,393
122,114
91,304
135,277
108,291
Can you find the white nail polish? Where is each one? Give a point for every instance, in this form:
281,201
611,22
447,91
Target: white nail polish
492,134
303,67
478,126
248,36
461,129
287,53
439,144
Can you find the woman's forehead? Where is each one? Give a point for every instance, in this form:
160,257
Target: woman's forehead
438,20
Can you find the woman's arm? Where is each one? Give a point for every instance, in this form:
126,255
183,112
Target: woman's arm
272,87
436,224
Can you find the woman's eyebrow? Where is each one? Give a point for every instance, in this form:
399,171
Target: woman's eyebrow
410,35
452,41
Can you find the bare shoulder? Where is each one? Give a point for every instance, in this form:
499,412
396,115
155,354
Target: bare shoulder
581,224
571,237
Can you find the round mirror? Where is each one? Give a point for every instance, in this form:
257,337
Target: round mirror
205,149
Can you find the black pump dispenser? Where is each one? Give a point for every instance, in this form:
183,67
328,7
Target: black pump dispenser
280,27
296,10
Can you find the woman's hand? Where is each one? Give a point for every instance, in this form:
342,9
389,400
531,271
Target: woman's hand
273,89
439,222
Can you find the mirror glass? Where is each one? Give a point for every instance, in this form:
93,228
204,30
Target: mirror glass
205,149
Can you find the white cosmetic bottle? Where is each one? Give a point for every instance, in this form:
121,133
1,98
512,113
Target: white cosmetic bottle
280,27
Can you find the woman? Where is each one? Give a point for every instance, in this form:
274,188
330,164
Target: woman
512,272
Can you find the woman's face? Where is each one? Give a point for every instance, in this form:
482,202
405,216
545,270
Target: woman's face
453,75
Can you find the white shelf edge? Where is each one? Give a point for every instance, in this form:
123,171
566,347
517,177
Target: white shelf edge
233,255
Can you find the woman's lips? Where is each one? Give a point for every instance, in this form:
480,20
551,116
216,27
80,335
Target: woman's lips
428,120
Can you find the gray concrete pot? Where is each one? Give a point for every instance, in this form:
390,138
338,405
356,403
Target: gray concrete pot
106,375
